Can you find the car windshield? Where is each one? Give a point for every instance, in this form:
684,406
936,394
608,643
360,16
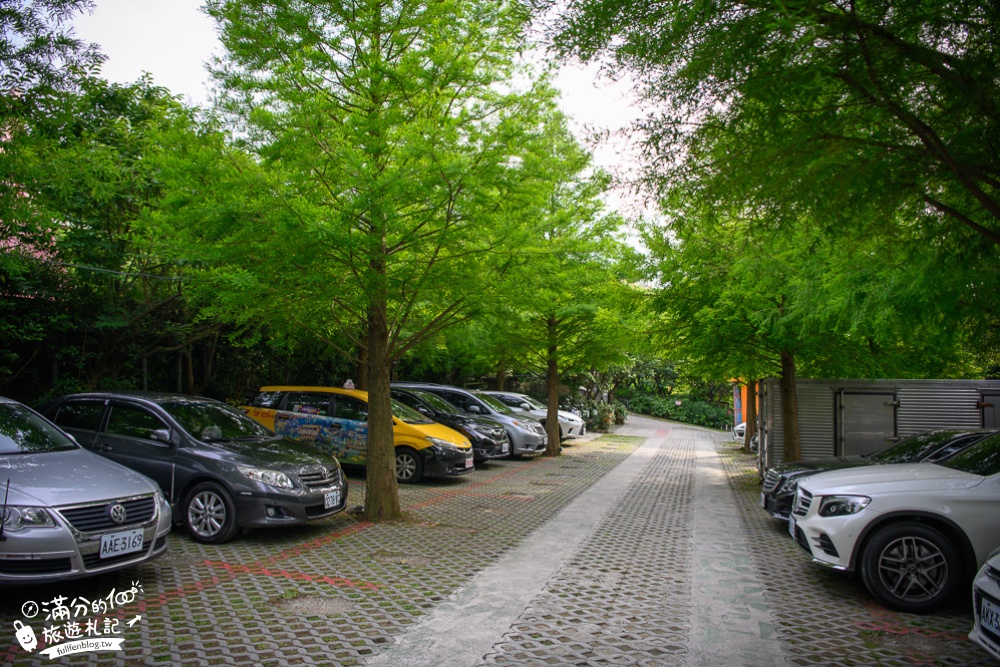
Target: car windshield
916,447
212,421
408,415
437,402
24,432
534,403
982,458
494,403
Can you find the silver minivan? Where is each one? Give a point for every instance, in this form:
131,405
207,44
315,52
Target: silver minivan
527,435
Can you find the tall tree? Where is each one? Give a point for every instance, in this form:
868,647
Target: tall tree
840,106
390,138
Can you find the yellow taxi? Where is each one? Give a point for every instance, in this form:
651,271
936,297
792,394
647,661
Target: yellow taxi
335,420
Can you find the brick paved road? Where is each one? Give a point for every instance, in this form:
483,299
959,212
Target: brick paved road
641,548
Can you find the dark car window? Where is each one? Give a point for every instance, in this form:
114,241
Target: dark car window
133,421
211,420
460,400
24,432
346,407
309,403
267,399
494,404
407,399
408,415
437,402
80,415
920,446
982,458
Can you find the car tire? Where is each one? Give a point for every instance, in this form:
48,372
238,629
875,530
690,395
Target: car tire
911,567
409,466
209,514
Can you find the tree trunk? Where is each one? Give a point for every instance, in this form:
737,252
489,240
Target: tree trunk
792,450
381,491
750,410
361,370
552,390
501,377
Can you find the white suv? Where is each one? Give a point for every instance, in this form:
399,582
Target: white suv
912,530
570,425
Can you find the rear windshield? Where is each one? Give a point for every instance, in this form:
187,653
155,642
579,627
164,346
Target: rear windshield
24,432
982,458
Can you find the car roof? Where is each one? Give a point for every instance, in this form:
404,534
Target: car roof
150,396
356,393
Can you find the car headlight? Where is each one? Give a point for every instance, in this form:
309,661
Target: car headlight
274,478
790,484
18,518
442,446
843,505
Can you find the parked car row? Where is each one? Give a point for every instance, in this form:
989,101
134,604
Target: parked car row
95,481
913,520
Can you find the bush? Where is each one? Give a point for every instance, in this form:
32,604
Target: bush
689,411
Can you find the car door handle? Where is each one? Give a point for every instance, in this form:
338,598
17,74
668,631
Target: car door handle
101,447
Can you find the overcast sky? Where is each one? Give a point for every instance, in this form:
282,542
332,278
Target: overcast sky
173,40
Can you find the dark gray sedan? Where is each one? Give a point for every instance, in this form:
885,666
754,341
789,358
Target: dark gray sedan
220,469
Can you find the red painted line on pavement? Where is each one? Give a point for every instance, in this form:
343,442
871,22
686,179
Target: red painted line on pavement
458,492
339,582
885,620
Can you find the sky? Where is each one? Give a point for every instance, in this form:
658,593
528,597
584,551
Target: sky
173,40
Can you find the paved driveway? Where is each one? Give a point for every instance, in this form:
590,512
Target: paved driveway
644,547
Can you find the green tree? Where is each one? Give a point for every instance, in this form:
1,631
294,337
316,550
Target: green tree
389,142
850,109
87,296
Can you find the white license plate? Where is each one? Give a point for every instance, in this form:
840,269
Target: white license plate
791,526
503,448
989,616
763,501
470,463
331,499
125,542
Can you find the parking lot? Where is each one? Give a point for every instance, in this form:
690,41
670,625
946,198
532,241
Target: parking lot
642,547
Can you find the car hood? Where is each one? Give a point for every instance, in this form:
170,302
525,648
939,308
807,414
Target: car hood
67,478
569,416
820,465
278,453
442,432
889,478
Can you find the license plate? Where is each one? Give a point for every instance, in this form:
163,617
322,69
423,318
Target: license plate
470,463
331,499
989,616
763,501
791,526
125,542
503,448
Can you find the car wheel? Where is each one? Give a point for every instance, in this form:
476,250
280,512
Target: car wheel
209,514
409,466
910,567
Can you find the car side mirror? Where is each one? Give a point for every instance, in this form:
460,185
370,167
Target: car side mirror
161,435
525,406
474,409
424,411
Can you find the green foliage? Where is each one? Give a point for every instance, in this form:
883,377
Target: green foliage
689,411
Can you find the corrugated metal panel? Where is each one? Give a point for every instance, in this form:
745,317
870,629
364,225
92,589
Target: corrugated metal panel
815,419
924,407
